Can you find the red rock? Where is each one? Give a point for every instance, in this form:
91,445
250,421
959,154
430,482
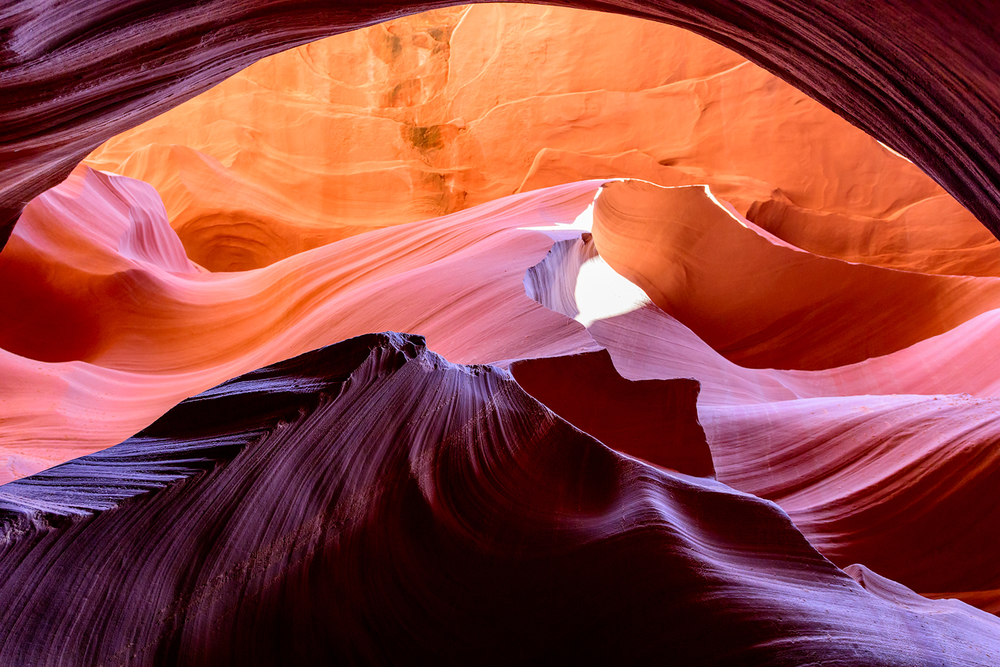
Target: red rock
320,143
373,502
762,302
873,460
654,420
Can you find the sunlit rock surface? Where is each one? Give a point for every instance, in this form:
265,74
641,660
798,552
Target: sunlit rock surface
427,115
888,456
918,76
98,341
761,301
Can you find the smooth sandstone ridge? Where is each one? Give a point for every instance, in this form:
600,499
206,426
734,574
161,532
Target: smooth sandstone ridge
96,342
403,490
892,455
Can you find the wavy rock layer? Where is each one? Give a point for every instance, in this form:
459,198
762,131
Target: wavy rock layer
917,76
759,300
338,506
164,329
433,113
373,503
98,340
888,462
107,325
870,478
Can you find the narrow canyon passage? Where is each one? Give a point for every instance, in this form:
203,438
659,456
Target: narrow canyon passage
499,333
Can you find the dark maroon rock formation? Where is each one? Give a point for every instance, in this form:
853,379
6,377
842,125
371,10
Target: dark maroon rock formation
370,502
655,420
923,77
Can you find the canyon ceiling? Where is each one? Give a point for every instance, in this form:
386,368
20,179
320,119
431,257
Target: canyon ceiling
920,76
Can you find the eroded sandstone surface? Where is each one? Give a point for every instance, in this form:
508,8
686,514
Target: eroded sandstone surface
674,363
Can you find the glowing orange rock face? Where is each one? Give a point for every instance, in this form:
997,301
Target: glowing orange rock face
765,303
431,114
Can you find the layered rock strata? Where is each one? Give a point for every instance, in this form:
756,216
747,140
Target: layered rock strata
888,456
423,511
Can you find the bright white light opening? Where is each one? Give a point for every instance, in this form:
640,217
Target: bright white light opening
601,293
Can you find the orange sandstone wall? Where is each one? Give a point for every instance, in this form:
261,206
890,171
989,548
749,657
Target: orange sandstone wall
434,113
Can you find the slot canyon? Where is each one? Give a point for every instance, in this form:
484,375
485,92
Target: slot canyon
605,333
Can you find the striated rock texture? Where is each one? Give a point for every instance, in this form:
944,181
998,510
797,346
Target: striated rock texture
872,460
918,76
869,459
106,325
97,340
433,113
710,390
421,511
